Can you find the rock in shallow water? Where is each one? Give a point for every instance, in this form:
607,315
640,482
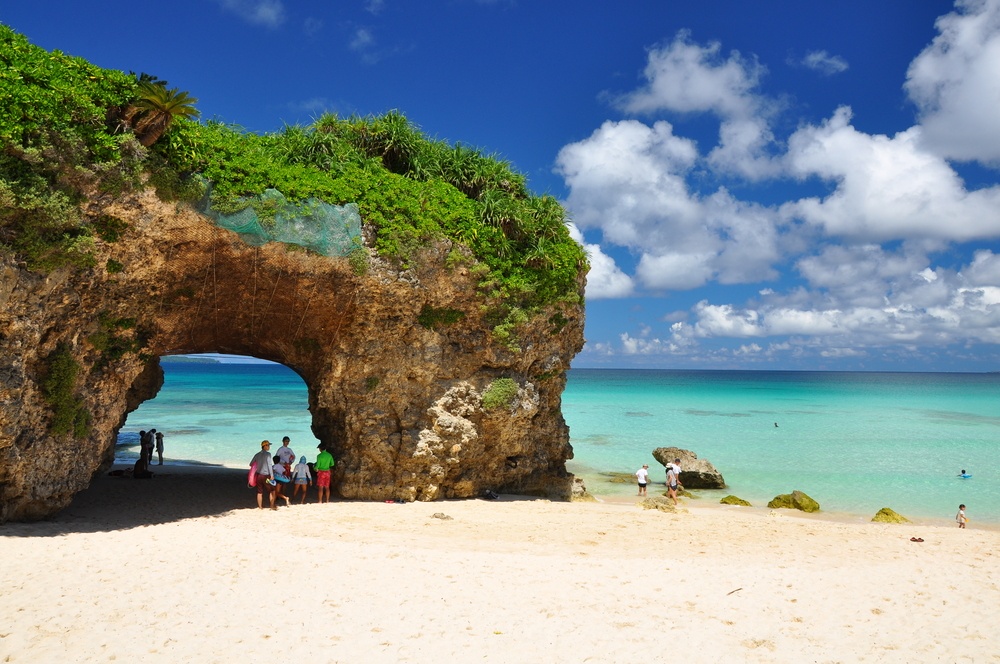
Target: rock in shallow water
695,473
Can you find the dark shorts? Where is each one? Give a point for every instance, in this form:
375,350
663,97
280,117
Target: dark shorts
672,487
262,485
323,478
642,485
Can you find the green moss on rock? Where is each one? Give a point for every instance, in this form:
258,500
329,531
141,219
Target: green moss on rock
58,387
795,500
619,478
733,500
887,515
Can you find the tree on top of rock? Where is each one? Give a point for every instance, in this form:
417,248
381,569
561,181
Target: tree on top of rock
158,106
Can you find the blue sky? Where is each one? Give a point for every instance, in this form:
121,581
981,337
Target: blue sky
779,185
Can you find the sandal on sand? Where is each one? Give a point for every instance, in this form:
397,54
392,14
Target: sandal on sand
916,539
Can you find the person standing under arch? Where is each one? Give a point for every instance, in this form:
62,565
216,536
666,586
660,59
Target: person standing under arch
265,475
302,477
324,466
285,453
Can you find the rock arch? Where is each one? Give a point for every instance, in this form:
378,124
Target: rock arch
399,402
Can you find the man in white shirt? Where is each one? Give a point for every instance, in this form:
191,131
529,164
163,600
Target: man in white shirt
643,476
285,453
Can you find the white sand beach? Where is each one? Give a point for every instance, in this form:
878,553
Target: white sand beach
184,568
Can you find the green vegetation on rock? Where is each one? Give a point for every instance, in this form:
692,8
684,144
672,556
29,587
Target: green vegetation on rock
432,317
58,387
115,338
56,148
500,394
615,477
795,500
733,500
69,130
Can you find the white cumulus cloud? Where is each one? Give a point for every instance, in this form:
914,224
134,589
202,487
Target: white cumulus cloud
955,83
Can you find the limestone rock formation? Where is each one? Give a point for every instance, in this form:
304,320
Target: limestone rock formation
887,515
579,493
735,500
796,500
399,403
695,473
658,503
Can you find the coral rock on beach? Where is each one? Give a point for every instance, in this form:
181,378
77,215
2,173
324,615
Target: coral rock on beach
695,473
733,500
579,493
887,515
796,500
658,503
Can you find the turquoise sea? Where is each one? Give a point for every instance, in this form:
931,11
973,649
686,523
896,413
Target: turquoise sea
855,442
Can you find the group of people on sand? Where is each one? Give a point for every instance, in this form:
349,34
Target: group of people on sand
148,442
274,475
673,479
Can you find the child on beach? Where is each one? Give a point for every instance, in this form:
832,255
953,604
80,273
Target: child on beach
283,478
960,517
302,477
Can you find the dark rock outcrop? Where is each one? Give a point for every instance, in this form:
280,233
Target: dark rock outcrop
398,399
796,500
695,473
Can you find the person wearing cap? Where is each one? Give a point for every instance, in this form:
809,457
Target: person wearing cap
265,475
643,476
324,465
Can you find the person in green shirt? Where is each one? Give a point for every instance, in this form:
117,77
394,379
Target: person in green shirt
324,464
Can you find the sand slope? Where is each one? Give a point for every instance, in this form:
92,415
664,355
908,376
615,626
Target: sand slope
167,571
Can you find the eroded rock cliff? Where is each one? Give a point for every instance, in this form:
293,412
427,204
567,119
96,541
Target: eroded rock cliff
395,393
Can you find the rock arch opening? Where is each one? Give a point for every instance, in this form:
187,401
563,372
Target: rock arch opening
216,409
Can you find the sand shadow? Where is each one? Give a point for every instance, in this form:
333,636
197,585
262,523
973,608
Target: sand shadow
120,503
176,492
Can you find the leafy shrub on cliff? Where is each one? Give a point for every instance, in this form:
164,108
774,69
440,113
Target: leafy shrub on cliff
54,146
68,130
432,317
500,394
410,190
115,338
58,385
